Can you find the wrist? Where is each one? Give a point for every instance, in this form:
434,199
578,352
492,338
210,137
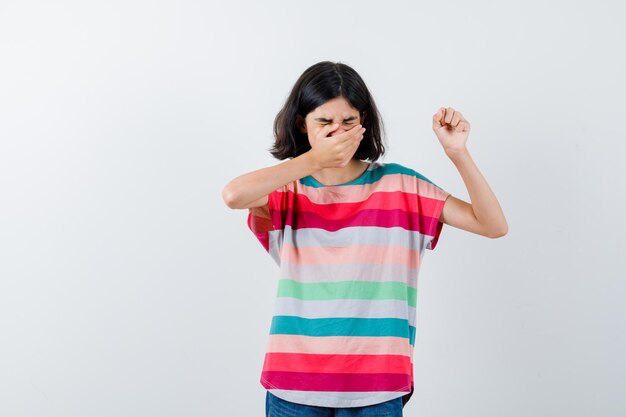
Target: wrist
311,160
457,152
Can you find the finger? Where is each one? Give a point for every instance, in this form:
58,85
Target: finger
449,114
359,131
353,142
456,119
352,133
437,116
356,144
358,138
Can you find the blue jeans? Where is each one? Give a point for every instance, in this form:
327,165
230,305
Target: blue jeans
277,407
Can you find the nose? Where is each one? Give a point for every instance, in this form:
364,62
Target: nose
339,130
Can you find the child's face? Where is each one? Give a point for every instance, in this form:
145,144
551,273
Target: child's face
338,111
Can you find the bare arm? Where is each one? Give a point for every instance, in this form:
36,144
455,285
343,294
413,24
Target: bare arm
251,189
484,215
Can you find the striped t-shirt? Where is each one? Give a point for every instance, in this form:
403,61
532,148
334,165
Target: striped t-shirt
343,329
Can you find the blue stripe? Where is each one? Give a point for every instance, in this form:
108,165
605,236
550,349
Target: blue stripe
372,176
343,326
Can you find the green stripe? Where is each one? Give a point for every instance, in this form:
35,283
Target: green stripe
347,290
343,326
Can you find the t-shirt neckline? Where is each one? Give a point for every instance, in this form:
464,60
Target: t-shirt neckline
354,181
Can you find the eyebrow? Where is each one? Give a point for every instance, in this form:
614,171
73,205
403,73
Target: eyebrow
323,119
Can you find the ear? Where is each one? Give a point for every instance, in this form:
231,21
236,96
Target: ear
301,123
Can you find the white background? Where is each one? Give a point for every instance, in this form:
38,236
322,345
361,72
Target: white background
128,288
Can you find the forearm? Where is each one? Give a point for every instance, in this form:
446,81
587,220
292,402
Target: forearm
485,205
251,186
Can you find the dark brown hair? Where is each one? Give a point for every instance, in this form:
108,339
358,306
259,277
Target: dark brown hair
318,84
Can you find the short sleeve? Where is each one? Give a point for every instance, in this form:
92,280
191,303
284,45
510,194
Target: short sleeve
267,222
431,199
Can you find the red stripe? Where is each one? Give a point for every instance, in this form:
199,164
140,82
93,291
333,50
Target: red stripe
277,200
437,232
376,201
331,363
303,381
412,212
260,226
380,218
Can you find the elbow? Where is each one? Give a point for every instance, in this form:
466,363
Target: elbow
229,197
498,232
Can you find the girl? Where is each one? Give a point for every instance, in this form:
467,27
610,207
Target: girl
348,234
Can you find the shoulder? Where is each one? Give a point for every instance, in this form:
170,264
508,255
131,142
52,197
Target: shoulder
397,168
392,168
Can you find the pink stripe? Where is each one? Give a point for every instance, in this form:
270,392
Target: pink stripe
305,381
363,345
360,192
362,254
